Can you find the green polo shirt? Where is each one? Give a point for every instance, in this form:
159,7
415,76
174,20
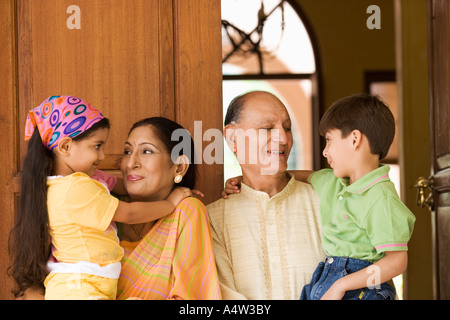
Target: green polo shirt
364,219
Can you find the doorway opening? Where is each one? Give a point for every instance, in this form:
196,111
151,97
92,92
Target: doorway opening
268,46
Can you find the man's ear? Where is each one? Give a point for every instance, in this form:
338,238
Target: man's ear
182,165
230,137
64,146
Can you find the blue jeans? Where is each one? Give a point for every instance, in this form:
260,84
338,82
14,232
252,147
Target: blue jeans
335,268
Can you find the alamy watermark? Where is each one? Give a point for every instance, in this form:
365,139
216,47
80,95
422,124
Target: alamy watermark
250,146
373,21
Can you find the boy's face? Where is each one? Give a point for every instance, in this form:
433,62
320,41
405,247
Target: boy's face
338,152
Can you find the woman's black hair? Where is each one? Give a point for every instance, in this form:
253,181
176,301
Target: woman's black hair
164,129
29,240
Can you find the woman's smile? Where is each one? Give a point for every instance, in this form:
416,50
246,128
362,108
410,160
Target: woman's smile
133,178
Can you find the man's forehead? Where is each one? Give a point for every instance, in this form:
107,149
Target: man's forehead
264,112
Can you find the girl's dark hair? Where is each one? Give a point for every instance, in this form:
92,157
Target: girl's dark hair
164,129
29,239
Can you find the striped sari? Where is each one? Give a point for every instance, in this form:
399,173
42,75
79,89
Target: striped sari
174,260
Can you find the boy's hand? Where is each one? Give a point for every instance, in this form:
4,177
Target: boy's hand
178,194
335,292
232,185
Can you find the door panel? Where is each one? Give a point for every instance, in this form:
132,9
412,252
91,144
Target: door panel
439,65
8,131
112,62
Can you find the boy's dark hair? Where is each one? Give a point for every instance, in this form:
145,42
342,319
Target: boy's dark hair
29,241
363,112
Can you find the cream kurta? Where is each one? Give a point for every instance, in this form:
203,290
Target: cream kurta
266,248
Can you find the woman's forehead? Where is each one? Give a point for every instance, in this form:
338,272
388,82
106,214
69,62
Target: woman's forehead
144,133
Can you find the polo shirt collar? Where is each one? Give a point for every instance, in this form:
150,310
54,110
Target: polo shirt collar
368,181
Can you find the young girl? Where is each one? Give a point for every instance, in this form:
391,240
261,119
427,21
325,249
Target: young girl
64,213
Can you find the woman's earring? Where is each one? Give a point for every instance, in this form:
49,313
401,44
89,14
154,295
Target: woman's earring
178,178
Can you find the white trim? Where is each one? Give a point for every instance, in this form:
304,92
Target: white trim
109,271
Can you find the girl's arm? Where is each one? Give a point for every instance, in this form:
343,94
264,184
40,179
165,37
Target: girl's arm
140,212
388,267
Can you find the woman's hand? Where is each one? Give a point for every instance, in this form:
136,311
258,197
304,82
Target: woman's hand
232,185
178,194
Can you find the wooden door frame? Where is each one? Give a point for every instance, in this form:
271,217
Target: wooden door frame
438,82
9,134
198,79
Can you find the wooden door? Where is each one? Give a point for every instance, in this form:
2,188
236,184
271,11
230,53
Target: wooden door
439,67
131,59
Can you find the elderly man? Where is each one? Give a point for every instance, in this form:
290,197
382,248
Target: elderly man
267,237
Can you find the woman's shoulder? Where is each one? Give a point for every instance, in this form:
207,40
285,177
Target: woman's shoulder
192,204
191,208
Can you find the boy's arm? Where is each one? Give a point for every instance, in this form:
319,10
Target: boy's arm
232,185
301,175
391,265
140,212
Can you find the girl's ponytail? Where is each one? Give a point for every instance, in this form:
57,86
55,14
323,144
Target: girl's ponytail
29,240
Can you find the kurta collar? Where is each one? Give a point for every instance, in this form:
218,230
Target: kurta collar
261,195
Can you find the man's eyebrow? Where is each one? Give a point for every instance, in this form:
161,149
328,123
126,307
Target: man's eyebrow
266,121
272,120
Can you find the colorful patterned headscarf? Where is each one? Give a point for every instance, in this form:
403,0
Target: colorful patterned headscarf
61,116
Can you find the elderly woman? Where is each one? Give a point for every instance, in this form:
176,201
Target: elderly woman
267,237
172,258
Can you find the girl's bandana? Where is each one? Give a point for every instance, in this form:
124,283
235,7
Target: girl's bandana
61,116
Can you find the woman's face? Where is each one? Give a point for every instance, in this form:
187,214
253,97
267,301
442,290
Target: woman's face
147,168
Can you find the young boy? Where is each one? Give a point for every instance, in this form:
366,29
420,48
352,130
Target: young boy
365,226
363,219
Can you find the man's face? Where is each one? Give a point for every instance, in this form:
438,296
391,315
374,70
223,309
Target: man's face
263,136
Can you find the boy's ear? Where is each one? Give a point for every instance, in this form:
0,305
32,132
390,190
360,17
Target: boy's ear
64,146
230,137
356,138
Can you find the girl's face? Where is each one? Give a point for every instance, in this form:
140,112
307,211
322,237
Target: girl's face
147,168
85,155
